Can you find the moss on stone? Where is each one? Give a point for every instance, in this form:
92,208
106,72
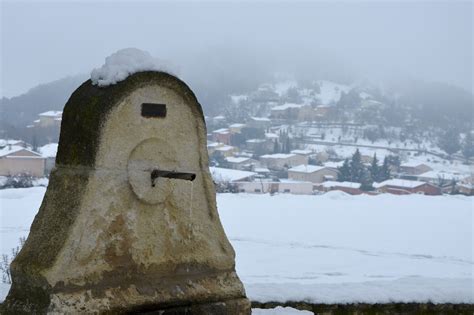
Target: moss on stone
87,109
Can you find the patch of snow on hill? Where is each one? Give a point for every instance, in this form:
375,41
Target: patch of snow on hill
330,91
124,63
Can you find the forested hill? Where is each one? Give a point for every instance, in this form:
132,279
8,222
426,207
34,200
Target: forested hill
22,110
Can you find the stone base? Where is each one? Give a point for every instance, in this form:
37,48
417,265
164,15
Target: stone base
229,307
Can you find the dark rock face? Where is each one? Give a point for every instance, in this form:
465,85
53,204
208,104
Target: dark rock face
109,240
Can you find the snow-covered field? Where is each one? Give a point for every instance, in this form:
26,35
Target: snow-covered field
331,248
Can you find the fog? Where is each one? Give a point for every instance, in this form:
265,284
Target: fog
378,41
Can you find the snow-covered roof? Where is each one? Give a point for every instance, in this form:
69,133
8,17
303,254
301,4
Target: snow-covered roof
287,106
334,164
278,156
262,170
123,63
48,150
412,164
271,135
220,117
306,168
399,183
222,131
255,140
237,126
15,148
260,118
214,144
229,175
302,152
225,148
434,175
4,142
331,184
233,159
51,113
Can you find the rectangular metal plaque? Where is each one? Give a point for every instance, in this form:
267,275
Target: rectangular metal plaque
153,110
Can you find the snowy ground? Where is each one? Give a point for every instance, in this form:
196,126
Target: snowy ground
331,248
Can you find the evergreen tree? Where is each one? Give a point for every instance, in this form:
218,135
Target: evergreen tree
375,169
357,167
468,145
288,145
449,141
276,147
384,173
366,180
344,172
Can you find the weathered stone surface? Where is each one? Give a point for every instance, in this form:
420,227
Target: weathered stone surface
105,240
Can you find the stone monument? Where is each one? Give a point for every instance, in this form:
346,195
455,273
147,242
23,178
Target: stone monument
129,221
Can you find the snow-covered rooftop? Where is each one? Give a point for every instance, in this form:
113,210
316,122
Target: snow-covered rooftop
229,175
399,183
301,152
124,63
225,148
334,164
52,113
255,141
237,126
306,168
434,175
287,106
233,159
331,184
15,148
278,156
260,118
222,130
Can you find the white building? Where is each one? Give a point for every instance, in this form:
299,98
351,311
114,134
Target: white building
280,161
283,186
312,173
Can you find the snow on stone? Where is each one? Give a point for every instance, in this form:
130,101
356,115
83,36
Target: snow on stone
331,248
48,150
123,63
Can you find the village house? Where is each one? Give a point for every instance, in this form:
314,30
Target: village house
414,168
236,128
465,189
226,175
288,111
322,111
240,163
16,160
50,118
306,153
226,150
281,161
441,178
270,186
312,173
222,135
259,122
347,187
404,187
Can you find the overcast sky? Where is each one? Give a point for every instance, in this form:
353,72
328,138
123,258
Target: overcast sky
45,41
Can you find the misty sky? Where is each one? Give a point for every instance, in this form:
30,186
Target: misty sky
45,41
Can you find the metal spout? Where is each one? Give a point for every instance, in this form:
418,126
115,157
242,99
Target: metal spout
170,174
